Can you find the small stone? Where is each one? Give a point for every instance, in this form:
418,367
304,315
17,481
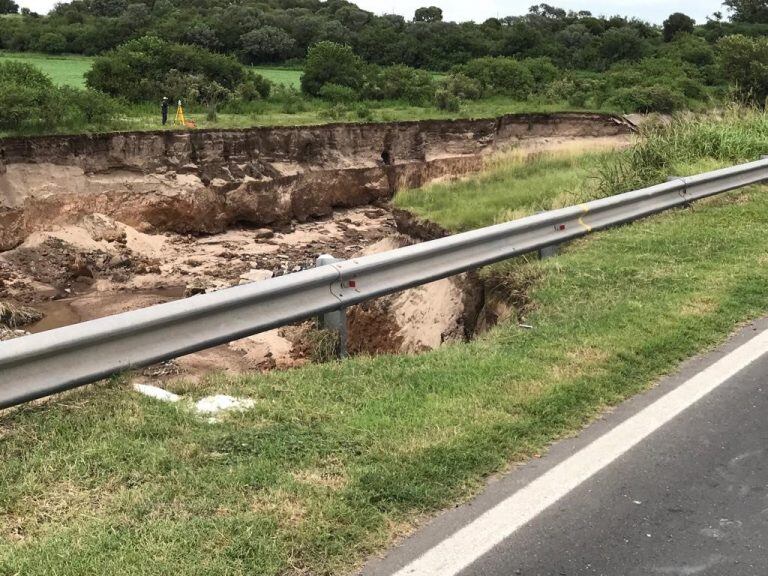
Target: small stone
264,234
255,275
219,184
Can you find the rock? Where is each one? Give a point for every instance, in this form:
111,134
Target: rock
10,333
255,275
222,403
101,227
264,234
156,393
219,184
187,168
194,288
375,213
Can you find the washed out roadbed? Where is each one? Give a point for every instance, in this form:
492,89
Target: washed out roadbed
334,462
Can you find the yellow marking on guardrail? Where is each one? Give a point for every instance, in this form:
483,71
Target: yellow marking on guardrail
586,226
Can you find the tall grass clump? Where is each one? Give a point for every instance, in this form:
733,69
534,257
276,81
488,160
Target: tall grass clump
737,134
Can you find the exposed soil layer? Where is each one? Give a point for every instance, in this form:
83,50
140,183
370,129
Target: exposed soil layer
97,225
207,181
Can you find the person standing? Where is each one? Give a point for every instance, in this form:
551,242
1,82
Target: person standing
164,109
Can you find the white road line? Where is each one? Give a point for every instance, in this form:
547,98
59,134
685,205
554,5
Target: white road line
478,537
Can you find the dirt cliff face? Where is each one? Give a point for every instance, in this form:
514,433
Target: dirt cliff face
204,181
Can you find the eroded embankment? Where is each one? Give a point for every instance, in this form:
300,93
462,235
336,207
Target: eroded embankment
205,181
96,225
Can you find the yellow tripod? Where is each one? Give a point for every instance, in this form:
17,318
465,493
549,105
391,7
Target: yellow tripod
179,116
181,120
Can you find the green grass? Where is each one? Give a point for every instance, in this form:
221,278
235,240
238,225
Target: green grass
145,117
69,70
512,186
287,76
63,70
336,460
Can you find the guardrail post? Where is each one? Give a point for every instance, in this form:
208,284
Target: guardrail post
549,251
335,321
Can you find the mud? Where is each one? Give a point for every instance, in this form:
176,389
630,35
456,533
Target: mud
102,224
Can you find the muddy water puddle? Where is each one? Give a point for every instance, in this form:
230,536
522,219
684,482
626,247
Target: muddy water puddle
92,305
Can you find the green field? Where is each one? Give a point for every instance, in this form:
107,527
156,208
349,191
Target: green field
336,461
70,70
63,70
281,75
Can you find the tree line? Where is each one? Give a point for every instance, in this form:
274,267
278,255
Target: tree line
280,31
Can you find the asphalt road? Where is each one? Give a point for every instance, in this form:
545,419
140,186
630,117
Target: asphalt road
688,498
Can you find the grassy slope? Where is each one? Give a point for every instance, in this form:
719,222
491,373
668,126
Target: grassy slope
513,186
338,459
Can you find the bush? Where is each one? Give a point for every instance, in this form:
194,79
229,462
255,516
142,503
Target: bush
364,113
337,94
149,68
331,63
52,43
543,71
89,106
255,85
290,99
462,86
500,76
744,61
32,103
735,135
444,100
648,99
399,82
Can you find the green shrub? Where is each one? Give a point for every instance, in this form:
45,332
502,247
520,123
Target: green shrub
399,82
335,112
52,43
30,102
337,94
289,99
254,86
500,76
543,71
89,106
444,100
331,63
648,99
149,68
735,135
364,113
744,61
462,86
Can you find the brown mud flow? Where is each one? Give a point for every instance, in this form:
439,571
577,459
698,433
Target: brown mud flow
100,224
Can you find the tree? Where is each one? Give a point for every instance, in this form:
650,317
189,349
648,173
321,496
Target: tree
331,63
744,61
52,43
8,7
428,14
677,23
754,11
265,44
621,44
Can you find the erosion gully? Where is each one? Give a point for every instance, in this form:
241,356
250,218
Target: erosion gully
93,225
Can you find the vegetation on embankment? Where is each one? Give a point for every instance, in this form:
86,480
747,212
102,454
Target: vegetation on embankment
519,184
336,460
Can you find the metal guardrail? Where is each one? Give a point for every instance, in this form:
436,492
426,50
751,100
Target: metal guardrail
42,364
